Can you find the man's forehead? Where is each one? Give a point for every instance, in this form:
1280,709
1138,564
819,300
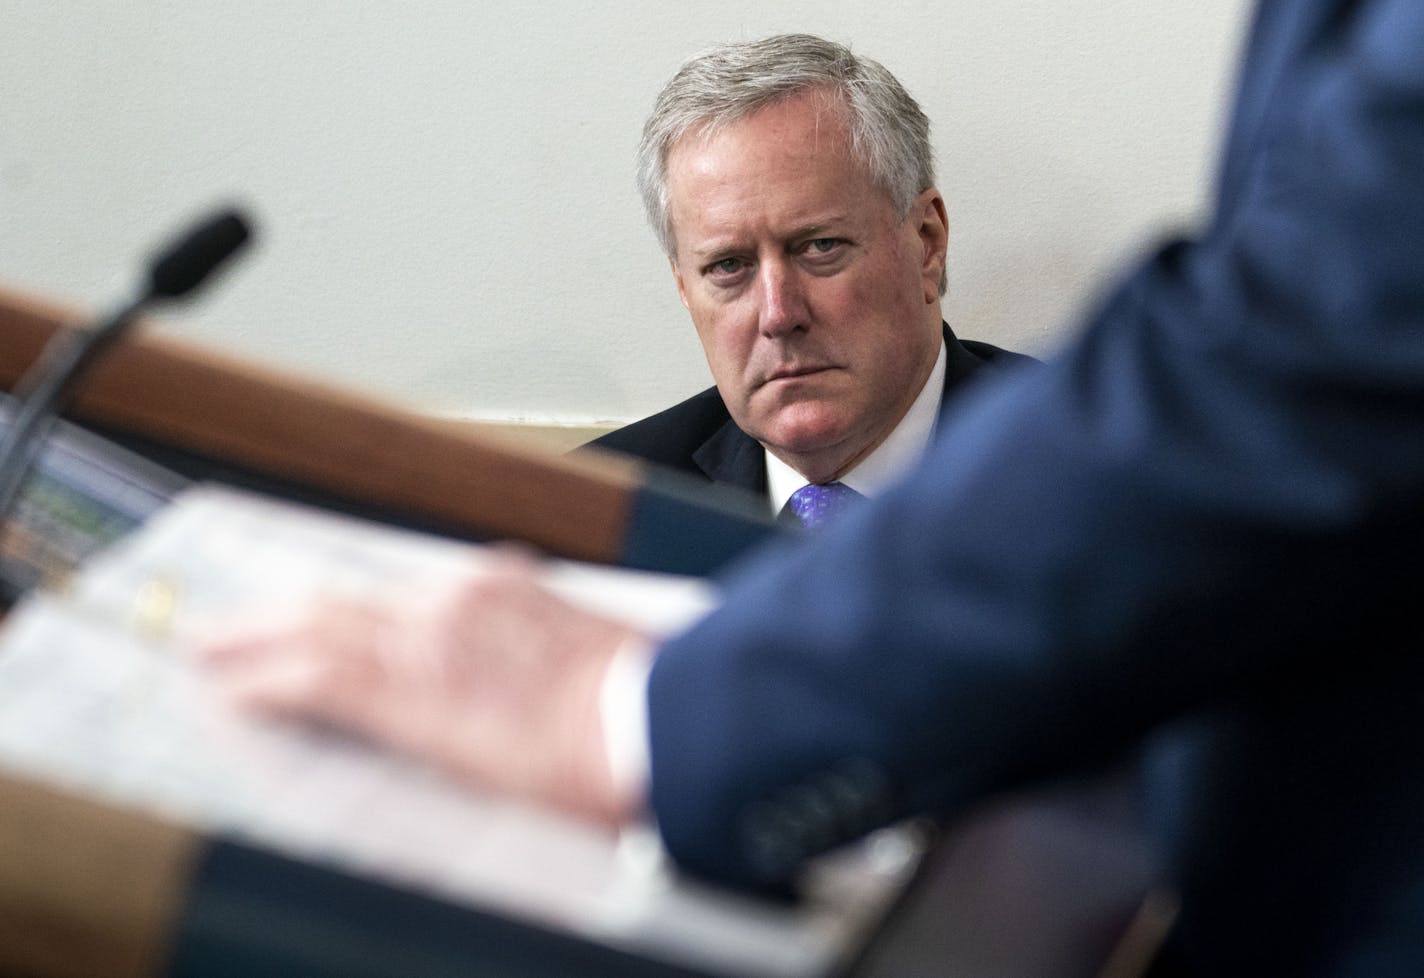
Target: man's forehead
790,164
823,109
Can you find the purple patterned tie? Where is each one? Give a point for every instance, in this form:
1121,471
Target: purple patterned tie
816,506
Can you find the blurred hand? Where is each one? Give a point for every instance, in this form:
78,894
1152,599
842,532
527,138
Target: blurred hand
493,679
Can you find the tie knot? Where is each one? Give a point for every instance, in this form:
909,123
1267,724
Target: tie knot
815,506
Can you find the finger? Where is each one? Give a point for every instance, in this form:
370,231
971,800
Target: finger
328,624
320,664
215,642
284,684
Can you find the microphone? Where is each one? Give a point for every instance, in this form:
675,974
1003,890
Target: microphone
193,257
173,273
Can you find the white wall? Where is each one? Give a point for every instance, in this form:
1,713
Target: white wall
444,187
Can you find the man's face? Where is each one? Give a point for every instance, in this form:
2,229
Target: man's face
817,307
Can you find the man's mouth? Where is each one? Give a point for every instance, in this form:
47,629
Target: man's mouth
793,371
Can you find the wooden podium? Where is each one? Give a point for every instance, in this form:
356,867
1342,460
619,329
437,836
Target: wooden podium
88,889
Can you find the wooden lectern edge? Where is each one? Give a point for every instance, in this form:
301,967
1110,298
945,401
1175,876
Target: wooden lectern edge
88,889
282,424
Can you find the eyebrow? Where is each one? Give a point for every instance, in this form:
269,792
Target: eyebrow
724,249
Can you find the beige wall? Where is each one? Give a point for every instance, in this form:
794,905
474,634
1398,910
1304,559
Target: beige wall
444,189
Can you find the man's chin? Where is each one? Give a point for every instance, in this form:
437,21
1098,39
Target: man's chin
802,436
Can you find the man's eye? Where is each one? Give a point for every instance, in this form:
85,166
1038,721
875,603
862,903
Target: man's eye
823,246
725,267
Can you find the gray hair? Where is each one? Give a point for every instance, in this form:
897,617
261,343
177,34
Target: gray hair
890,134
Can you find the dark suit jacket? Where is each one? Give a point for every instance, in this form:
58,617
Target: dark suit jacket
1199,528
699,437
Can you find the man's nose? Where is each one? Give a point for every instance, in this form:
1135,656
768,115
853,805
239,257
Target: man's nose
783,306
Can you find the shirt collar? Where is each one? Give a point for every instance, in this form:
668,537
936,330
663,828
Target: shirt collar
891,459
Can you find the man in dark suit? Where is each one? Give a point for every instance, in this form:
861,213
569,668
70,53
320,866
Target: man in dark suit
791,185
1195,533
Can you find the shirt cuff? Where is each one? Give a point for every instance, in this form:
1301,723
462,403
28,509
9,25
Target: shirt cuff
623,709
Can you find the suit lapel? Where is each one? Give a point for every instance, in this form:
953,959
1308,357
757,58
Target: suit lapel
734,458
960,364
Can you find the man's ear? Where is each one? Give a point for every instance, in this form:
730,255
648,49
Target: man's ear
677,277
933,229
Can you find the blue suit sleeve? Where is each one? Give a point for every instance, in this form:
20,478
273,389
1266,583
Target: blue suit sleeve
1210,486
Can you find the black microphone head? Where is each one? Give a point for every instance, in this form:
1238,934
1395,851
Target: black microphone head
183,265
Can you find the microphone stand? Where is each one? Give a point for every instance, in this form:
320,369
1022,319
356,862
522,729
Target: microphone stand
41,392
